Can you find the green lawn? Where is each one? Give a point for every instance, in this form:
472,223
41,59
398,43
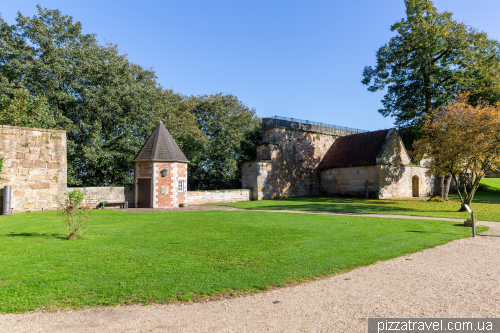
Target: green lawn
485,204
159,257
490,191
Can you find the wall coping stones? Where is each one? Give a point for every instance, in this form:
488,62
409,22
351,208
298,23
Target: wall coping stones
32,129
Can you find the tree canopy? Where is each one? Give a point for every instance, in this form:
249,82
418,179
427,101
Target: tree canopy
430,59
56,76
230,133
463,141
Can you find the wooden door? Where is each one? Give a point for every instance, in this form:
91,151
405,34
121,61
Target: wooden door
144,193
415,186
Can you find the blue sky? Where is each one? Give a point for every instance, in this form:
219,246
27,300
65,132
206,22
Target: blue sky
300,59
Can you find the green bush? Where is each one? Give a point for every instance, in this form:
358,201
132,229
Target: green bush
74,213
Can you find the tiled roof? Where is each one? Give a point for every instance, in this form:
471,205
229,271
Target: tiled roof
355,150
161,147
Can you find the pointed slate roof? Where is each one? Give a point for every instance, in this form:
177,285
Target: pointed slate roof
161,147
355,150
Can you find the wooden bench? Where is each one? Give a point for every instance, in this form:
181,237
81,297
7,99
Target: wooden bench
123,204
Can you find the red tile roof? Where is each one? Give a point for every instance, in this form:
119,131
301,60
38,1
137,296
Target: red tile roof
355,150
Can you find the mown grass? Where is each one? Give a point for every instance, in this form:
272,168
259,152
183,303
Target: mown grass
485,204
160,257
414,207
489,191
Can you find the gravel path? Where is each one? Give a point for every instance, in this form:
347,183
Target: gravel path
458,279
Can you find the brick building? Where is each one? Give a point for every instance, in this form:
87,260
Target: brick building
160,172
302,158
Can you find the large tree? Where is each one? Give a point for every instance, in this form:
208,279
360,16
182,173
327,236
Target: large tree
107,105
20,108
230,132
430,59
463,141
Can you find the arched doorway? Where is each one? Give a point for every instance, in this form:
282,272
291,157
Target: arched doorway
415,186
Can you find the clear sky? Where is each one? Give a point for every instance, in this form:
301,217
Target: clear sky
300,59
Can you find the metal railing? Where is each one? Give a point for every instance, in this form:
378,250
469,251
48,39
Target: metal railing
277,121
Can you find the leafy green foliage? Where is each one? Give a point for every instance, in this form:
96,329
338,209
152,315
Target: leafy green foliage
107,105
432,58
23,109
52,75
143,257
74,213
230,132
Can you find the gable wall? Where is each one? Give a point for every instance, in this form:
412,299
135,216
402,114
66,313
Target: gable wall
394,151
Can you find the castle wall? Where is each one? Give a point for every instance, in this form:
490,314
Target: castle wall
288,161
255,177
219,196
34,165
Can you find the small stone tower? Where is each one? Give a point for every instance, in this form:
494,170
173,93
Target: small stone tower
160,172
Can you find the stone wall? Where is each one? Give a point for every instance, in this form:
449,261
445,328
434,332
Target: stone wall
34,165
221,196
384,181
397,181
254,176
350,181
96,195
287,163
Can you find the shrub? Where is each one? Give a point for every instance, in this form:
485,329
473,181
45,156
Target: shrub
74,213
436,198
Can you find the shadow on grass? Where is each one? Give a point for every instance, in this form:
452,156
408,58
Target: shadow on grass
36,235
354,207
429,232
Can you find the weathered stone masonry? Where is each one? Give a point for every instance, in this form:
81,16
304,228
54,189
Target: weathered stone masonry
291,161
287,160
34,165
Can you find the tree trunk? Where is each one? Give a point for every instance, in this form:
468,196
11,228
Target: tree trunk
470,195
441,187
447,185
444,187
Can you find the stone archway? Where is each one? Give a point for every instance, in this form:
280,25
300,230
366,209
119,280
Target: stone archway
415,182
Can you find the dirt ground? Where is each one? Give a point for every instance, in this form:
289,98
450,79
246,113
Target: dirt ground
458,279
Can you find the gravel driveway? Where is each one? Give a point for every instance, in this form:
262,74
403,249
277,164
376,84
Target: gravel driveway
458,279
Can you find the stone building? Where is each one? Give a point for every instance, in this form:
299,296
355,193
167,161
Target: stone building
302,158
160,172
378,159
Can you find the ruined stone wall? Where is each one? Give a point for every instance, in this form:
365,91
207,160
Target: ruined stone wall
287,165
34,165
350,181
220,196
